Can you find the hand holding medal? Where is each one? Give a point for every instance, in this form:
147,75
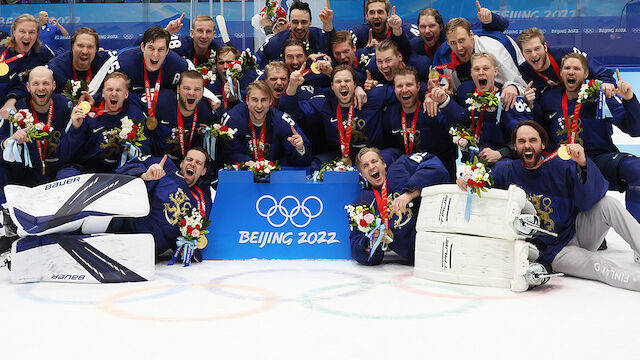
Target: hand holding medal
573,152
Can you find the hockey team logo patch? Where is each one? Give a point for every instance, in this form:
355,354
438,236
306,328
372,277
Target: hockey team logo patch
289,209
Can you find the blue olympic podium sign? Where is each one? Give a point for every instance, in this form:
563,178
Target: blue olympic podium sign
288,218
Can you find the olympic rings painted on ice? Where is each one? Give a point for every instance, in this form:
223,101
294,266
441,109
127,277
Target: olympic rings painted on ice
26,290
107,305
365,284
467,305
289,215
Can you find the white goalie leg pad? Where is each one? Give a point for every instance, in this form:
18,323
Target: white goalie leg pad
472,260
104,258
443,207
62,206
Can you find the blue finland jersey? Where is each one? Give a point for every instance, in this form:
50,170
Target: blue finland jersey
62,67
593,134
183,46
61,116
165,138
272,48
596,70
366,124
170,198
13,81
89,146
405,174
276,147
558,194
496,133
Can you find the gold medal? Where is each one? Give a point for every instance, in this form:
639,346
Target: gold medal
202,242
434,75
563,153
152,123
4,69
314,68
84,106
346,161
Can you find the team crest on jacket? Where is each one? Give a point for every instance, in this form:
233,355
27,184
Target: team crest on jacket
177,208
544,210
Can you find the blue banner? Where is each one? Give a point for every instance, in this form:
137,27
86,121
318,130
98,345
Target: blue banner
606,30
288,218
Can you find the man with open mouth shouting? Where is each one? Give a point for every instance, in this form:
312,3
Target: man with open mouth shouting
347,129
18,53
82,62
453,57
48,109
313,39
410,130
86,146
589,125
394,195
264,132
173,191
378,28
489,126
542,65
569,196
180,116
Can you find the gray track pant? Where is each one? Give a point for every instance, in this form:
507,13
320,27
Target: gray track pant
579,258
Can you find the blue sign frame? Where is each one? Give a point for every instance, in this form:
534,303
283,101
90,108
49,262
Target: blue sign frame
288,218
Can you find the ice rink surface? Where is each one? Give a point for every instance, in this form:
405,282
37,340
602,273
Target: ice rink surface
318,310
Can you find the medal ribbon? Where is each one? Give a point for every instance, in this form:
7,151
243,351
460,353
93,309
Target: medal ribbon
428,51
42,148
381,202
345,134
408,138
181,129
87,79
556,69
195,57
199,200
14,58
476,129
548,156
571,125
152,101
258,145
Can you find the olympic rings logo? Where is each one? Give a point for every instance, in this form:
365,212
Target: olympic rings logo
289,215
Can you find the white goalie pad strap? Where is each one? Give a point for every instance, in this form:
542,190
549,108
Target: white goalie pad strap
105,258
62,206
472,260
443,207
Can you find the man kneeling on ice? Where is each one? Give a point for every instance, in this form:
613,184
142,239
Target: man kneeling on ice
393,197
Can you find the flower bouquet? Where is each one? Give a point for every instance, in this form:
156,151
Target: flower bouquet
363,61
73,91
242,65
129,135
337,164
478,179
23,119
362,218
261,168
192,236
270,8
223,132
208,68
589,92
486,101
463,138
